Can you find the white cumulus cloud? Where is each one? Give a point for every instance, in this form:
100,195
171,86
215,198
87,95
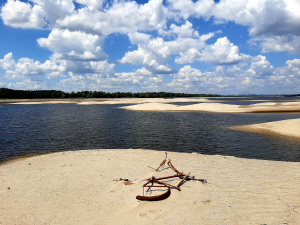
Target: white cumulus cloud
221,52
74,45
23,15
7,62
35,14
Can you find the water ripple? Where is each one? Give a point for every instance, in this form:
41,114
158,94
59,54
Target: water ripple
34,129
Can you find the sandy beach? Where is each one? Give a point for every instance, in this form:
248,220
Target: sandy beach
79,188
286,128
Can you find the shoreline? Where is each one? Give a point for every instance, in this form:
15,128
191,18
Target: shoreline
78,187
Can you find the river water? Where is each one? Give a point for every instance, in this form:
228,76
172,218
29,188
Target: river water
38,129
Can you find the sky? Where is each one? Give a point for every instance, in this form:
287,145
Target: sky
184,46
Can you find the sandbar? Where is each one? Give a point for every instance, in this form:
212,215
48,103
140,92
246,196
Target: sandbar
285,128
78,188
266,107
107,101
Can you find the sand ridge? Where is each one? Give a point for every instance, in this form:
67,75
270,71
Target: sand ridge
78,188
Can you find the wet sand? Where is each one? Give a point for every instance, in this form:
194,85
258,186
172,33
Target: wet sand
79,188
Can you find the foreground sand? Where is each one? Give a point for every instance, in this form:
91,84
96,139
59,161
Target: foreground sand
287,128
270,107
78,188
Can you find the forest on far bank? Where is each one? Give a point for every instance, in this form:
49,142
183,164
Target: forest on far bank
6,93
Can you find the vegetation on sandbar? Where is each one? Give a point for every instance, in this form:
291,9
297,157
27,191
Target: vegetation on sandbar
41,94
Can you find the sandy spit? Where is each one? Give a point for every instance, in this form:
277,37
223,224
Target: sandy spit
220,107
287,128
79,188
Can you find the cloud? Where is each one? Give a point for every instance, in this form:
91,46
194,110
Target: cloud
91,4
153,53
274,23
187,8
264,17
288,43
26,85
257,76
294,65
73,83
119,80
2,84
137,38
23,15
7,62
188,74
292,69
55,9
85,67
126,81
35,14
52,68
221,52
55,74
261,66
184,31
123,17
74,45
28,67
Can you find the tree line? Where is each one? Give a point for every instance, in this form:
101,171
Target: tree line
37,94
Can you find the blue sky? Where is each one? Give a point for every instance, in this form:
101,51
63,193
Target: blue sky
204,46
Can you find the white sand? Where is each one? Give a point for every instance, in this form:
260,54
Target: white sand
288,128
78,188
219,107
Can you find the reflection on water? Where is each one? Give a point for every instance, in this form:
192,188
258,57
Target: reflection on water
32,129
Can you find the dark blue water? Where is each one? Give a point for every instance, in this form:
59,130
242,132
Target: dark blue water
35,129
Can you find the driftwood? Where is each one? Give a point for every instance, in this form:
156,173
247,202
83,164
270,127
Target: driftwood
184,177
163,162
154,198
